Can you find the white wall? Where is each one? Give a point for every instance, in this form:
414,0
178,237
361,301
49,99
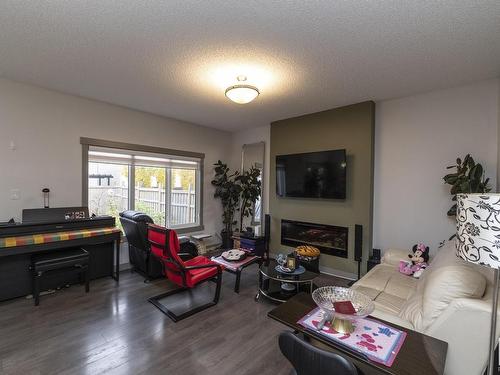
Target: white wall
247,136
498,141
46,127
415,139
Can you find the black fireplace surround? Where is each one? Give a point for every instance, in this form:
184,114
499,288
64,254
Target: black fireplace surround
329,239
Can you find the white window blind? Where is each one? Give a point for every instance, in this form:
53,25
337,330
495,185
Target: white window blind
126,157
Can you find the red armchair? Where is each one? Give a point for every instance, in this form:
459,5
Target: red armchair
185,273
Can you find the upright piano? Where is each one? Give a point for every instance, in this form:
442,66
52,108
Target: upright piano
55,229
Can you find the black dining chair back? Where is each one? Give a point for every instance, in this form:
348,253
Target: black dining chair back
309,360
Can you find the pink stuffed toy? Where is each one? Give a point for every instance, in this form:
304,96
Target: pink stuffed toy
418,262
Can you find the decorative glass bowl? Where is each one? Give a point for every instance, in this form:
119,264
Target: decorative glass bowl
326,296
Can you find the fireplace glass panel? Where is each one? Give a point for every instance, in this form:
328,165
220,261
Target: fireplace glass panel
329,239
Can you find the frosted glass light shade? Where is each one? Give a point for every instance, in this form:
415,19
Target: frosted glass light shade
242,94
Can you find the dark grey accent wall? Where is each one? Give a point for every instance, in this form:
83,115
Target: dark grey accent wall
350,127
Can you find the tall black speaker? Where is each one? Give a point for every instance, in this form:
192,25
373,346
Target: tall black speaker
267,233
358,242
267,227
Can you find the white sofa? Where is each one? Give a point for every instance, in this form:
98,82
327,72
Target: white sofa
451,301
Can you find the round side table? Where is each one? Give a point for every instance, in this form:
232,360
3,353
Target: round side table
279,286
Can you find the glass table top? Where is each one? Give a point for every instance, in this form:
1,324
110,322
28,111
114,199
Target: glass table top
268,269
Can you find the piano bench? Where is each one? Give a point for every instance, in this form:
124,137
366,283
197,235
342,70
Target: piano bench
58,262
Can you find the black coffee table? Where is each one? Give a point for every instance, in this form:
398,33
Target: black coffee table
419,355
277,286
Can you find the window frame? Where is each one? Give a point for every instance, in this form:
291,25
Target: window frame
88,142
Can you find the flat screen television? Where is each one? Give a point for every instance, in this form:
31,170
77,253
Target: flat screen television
312,175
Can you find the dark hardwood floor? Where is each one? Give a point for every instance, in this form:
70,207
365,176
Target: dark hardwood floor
114,330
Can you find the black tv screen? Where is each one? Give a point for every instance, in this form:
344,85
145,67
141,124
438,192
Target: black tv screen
312,175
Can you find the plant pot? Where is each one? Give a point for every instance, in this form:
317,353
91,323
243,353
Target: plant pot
227,240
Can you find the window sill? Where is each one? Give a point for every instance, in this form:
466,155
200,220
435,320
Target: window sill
188,230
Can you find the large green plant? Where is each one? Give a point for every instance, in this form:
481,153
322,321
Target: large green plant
467,178
250,192
227,189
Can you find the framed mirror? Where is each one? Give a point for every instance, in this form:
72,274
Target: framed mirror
253,155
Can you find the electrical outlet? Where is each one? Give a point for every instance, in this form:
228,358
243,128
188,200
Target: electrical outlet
15,194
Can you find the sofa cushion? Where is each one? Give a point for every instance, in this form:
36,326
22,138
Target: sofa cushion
451,282
394,256
377,278
387,278
389,303
447,278
401,286
385,285
412,311
370,292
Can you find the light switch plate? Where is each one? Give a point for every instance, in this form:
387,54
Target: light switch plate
15,194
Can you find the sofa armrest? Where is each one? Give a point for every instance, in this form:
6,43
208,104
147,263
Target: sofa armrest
393,256
465,326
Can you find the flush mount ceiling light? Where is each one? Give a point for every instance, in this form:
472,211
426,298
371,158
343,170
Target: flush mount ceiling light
241,93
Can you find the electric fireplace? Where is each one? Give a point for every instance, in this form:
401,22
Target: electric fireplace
329,239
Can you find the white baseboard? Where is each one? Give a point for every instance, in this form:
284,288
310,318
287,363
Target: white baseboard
338,273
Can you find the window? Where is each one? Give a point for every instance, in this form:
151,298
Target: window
165,186
257,206
108,189
150,192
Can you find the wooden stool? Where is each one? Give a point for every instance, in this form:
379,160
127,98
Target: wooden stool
59,262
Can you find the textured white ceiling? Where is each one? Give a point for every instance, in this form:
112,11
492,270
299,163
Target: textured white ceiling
175,57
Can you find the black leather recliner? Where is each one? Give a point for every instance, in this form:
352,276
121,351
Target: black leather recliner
135,225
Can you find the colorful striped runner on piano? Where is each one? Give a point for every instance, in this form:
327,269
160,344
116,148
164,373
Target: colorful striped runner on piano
41,238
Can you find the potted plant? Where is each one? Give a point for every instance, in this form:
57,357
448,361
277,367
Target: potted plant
468,178
228,189
250,192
